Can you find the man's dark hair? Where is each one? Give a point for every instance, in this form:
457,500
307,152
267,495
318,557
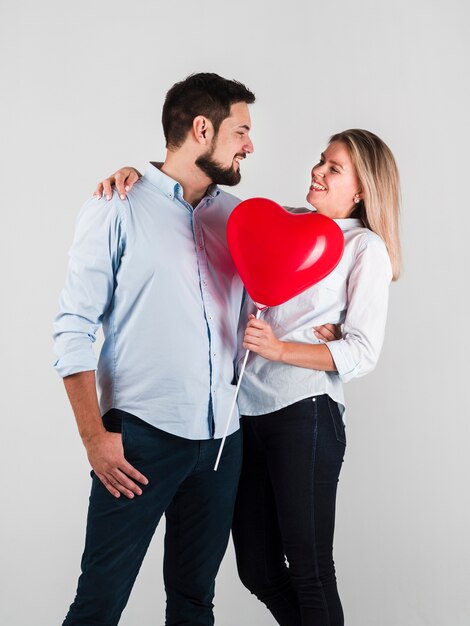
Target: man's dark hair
200,94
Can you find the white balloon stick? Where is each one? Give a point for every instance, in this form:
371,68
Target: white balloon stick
242,371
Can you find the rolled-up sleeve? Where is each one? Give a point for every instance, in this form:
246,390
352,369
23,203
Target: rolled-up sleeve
357,353
95,255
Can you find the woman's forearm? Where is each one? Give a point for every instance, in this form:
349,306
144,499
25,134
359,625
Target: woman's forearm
259,338
311,356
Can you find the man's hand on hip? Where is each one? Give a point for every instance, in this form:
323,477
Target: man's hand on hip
106,456
104,449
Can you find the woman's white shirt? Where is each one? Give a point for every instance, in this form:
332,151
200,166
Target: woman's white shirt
355,295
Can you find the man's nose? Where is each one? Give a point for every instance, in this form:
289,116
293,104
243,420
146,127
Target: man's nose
249,147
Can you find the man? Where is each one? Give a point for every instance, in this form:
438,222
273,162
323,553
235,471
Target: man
154,270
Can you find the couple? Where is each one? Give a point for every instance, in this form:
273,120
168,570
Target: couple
154,270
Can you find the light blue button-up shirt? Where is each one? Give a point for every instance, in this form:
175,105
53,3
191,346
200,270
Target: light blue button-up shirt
157,275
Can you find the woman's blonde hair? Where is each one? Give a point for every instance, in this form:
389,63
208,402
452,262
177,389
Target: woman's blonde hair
378,175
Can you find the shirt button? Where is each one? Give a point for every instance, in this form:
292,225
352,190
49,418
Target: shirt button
314,399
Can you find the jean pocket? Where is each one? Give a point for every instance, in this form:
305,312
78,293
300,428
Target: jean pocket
124,431
133,438
112,420
337,419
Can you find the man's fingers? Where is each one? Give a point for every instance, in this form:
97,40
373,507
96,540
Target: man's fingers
122,484
125,485
134,473
109,486
121,477
117,475
328,332
334,329
118,483
126,482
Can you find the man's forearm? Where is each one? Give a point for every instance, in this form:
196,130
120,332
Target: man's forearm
81,390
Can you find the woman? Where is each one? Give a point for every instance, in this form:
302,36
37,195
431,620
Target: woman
292,398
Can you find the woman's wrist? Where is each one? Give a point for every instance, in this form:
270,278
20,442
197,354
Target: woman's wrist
282,351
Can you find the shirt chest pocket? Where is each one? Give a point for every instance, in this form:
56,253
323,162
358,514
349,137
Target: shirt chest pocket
333,282
329,296
323,303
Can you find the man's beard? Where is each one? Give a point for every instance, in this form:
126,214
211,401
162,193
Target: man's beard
218,174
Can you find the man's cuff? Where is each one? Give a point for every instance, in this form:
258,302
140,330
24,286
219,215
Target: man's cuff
75,362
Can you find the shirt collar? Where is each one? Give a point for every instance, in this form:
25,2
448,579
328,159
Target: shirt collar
349,223
169,186
213,191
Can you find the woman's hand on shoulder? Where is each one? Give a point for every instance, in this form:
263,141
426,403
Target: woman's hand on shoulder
123,179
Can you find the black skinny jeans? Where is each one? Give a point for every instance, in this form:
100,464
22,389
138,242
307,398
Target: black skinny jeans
285,511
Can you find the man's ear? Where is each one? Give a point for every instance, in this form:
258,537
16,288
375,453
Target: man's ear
203,131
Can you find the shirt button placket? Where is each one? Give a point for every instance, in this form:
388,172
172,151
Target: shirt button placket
206,297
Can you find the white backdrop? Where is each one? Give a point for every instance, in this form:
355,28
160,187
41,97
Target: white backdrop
83,84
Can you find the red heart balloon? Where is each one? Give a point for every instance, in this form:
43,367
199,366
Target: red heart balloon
280,254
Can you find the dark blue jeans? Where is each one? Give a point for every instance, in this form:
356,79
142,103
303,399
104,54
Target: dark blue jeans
198,504
285,511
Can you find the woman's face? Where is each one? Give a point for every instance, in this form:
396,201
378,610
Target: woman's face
335,184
